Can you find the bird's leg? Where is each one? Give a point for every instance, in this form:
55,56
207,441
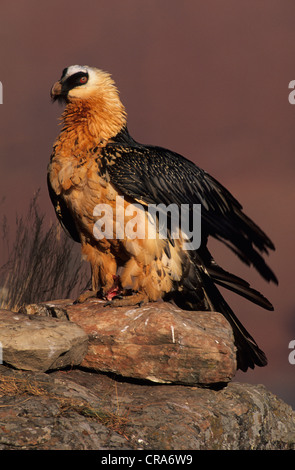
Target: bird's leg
95,291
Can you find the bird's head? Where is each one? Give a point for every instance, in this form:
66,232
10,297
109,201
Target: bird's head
82,82
92,99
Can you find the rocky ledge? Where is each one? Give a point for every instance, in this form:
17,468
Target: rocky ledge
154,377
156,342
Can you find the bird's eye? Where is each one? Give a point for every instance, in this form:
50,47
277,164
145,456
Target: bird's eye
83,79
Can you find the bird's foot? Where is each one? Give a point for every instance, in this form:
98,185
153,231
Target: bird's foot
138,299
114,291
88,294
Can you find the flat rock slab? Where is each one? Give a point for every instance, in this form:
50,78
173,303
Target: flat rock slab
156,342
40,344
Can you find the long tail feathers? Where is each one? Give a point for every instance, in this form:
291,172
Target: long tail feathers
248,352
200,279
239,286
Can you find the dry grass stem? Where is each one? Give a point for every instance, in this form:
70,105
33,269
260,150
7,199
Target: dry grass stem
42,263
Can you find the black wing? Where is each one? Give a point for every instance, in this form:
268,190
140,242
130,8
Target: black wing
154,175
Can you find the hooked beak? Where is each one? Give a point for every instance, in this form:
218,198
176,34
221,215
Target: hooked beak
56,91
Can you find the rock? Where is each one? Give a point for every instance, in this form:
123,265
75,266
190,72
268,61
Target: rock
45,310
40,344
156,342
88,410
82,410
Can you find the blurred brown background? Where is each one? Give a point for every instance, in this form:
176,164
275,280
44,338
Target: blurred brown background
208,79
